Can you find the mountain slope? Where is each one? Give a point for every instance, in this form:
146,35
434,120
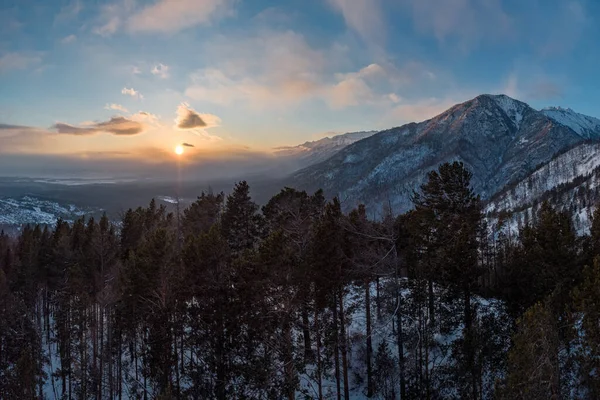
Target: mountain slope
310,153
570,182
500,139
584,125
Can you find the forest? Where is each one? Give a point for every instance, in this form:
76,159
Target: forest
299,300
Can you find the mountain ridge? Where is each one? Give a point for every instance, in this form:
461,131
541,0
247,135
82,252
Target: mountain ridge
500,139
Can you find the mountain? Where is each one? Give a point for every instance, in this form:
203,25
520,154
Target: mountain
584,125
570,182
310,153
500,139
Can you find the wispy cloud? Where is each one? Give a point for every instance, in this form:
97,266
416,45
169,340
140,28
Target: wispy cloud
132,92
18,60
421,109
175,15
112,16
465,22
160,70
365,17
119,126
19,138
68,39
114,106
267,69
533,85
145,117
68,12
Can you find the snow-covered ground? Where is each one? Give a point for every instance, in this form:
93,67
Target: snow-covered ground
32,210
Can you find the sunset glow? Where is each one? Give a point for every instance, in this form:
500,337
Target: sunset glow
179,150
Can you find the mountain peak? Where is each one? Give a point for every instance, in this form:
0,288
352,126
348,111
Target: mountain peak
584,125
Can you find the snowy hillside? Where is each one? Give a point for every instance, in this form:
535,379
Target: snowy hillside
570,182
578,162
500,139
32,210
584,125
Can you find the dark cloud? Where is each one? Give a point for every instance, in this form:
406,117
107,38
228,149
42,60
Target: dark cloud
120,126
187,145
4,127
189,119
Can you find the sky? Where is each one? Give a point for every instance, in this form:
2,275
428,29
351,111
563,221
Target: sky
103,86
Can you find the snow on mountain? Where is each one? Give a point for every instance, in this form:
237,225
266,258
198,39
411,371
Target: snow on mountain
570,182
584,125
32,210
500,139
578,162
316,151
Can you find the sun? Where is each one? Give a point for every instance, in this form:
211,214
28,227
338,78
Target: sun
179,150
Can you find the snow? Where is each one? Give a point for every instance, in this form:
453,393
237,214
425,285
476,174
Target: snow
579,161
32,210
513,108
383,330
583,125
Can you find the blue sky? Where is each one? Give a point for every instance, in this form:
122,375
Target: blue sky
131,78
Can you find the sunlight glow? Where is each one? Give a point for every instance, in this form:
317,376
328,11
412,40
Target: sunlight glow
179,150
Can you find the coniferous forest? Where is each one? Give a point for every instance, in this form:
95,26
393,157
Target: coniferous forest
299,300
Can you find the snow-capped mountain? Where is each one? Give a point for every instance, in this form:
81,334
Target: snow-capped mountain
584,125
500,139
310,153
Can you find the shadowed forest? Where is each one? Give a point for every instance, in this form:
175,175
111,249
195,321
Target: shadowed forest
297,300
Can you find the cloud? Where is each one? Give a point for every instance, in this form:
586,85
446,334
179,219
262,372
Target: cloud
531,84
188,118
465,21
187,145
68,12
365,17
176,15
161,70
359,87
112,17
119,126
19,138
569,22
276,70
136,70
420,110
68,39
268,69
114,106
13,61
146,117
132,92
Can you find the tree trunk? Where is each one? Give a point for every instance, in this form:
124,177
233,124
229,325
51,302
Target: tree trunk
431,304
469,345
378,300
400,349
336,350
319,372
306,334
344,346
289,362
369,340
